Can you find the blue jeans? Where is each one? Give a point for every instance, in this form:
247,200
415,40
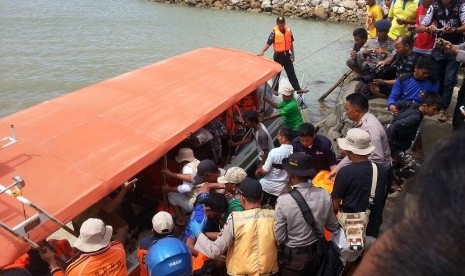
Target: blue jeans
446,70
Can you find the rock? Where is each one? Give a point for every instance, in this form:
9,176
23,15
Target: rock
336,2
320,13
335,9
325,5
340,10
332,19
315,3
288,6
350,4
361,4
350,12
266,4
191,2
256,10
343,17
255,5
218,4
234,2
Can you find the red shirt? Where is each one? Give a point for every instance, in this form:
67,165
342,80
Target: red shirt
424,42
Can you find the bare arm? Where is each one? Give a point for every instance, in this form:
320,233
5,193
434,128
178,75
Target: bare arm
110,204
273,104
265,48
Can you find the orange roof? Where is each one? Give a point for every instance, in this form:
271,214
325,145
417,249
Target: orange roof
75,149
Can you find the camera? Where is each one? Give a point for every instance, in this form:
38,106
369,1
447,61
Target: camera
438,33
371,73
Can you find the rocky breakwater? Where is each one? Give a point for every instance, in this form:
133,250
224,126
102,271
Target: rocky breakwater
350,11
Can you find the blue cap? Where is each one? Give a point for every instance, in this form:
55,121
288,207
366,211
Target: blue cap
169,257
383,25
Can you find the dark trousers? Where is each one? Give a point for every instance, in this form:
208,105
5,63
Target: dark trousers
458,120
285,60
269,199
300,264
446,69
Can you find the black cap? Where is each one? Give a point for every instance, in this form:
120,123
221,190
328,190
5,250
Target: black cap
281,20
204,167
250,189
299,164
383,25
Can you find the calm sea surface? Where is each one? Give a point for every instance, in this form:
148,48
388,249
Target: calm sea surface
49,48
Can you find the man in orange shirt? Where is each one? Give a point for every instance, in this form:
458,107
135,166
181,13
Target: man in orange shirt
99,256
282,40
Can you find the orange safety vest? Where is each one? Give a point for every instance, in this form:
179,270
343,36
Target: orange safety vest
229,120
249,102
282,42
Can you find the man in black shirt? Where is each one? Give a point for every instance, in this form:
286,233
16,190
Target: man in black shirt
317,146
353,182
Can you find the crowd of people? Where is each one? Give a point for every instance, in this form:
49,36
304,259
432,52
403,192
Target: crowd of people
237,223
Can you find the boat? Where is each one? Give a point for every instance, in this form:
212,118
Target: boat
71,151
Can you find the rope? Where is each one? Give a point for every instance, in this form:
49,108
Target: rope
311,54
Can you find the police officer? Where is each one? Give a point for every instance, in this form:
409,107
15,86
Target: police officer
300,254
281,38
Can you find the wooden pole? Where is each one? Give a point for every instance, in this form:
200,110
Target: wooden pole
346,74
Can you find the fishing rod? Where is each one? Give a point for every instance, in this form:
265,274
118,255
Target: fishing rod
311,54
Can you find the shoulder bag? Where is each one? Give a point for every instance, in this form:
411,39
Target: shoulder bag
330,262
355,224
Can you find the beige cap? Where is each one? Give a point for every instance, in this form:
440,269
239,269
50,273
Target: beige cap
93,235
163,223
185,154
357,141
288,91
233,175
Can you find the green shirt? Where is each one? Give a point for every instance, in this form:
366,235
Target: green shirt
233,206
290,113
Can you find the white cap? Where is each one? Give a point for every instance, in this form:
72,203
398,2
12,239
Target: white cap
163,223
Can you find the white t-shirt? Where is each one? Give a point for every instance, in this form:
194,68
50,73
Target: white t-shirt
186,187
276,179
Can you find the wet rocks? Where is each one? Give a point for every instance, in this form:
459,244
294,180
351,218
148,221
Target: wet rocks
351,11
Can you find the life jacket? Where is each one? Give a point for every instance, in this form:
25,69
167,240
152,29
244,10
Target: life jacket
282,42
249,102
229,120
254,250
142,253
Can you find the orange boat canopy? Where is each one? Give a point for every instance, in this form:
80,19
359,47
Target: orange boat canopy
75,149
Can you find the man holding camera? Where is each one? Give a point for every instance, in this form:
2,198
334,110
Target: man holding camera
449,16
375,50
403,62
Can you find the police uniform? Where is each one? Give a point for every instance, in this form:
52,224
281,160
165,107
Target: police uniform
292,231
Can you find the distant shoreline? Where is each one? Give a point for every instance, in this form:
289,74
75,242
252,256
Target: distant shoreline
346,11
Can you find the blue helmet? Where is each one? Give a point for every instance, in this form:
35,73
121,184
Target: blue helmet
169,257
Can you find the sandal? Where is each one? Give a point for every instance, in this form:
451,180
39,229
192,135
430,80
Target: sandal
301,91
443,116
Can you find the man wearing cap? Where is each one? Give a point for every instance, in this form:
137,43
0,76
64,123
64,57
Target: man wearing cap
275,179
260,135
163,226
377,48
178,196
247,236
300,254
317,146
374,51
230,182
353,184
98,256
282,39
288,110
